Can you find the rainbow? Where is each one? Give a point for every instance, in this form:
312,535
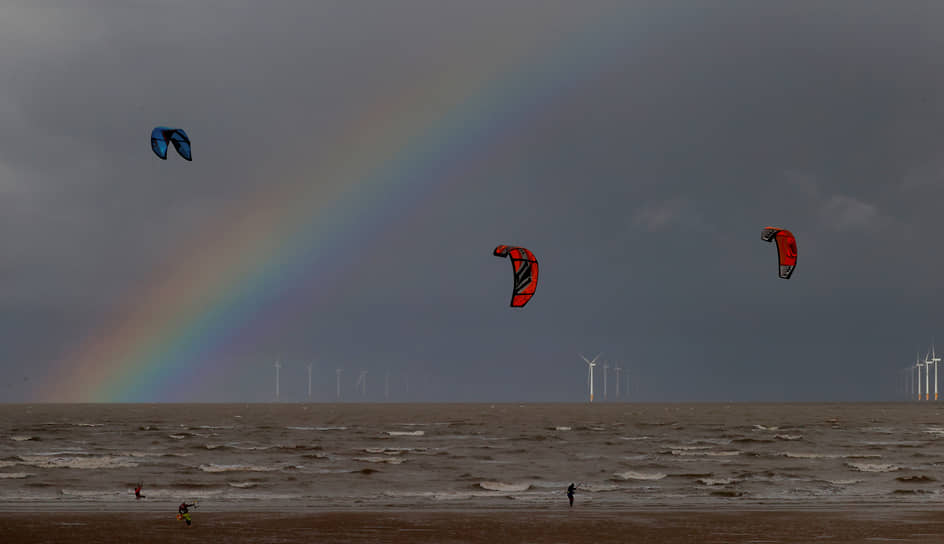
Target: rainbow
209,301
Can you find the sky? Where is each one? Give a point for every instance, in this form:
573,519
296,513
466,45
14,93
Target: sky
355,164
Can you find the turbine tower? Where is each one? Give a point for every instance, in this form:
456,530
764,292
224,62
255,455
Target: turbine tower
927,377
309,381
606,367
917,367
339,371
278,365
934,360
617,370
362,383
590,365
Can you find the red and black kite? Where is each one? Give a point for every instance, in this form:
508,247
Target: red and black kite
525,267
786,248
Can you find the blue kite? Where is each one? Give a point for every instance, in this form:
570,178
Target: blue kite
160,136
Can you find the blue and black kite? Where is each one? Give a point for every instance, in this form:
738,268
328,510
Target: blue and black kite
161,136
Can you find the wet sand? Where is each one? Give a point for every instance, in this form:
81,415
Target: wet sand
886,525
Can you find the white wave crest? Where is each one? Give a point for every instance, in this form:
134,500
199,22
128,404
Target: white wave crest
505,487
562,428
873,467
377,459
87,462
405,433
236,468
14,475
702,453
843,482
300,428
23,438
633,475
809,455
717,481
242,485
788,436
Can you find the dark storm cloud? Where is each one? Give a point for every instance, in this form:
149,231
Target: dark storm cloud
642,185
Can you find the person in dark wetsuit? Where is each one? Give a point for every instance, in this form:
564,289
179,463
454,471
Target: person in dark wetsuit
183,512
571,489
137,491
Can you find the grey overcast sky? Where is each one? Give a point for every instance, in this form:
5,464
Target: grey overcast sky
637,148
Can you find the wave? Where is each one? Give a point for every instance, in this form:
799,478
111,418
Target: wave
376,459
917,479
597,488
242,485
843,482
14,475
85,462
395,451
562,428
212,467
23,438
788,436
299,428
717,481
809,455
871,467
633,475
703,453
895,443
758,427
727,493
405,433
506,487
713,441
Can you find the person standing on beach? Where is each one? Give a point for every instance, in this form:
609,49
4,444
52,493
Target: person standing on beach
183,512
571,489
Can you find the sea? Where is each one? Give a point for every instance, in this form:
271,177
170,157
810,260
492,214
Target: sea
301,457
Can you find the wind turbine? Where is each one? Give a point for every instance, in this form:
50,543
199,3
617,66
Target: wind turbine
617,370
278,365
362,382
917,367
309,381
606,367
934,361
927,377
590,365
339,371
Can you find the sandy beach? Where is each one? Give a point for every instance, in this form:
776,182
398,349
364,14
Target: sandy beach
481,527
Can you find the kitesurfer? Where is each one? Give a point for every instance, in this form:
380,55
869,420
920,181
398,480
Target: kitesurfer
183,512
137,491
571,489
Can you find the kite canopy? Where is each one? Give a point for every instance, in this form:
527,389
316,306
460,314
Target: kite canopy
161,136
786,248
525,267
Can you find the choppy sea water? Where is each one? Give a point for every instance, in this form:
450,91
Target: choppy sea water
349,456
